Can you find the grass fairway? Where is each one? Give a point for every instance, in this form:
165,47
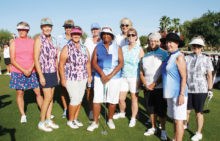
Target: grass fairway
11,129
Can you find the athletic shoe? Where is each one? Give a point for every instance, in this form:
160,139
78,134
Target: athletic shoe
72,125
132,122
119,115
150,132
0,73
93,126
78,123
90,115
52,116
197,137
7,73
42,127
23,119
163,135
111,124
51,124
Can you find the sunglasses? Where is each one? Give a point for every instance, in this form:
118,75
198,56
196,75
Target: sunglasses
131,35
68,27
196,46
123,25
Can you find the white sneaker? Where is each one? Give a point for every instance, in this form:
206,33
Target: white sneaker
44,128
197,137
93,126
51,124
52,116
7,73
90,114
119,115
186,127
78,123
150,132
23,119
0,73
163,135
72,125
132,122
111,124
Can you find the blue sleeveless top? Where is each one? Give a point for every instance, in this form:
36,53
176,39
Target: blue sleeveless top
107,60
171,77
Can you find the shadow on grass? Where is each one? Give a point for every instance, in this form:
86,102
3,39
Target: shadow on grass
3,104
4,131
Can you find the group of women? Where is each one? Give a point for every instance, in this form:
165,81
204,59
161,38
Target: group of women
109,67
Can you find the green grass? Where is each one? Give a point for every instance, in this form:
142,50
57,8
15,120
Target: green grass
11,129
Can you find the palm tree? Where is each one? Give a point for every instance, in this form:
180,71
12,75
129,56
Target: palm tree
176,24
164,23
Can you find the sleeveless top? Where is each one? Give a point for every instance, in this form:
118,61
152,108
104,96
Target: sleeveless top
75,67
107,60
171,77
48,55
24,56
131,68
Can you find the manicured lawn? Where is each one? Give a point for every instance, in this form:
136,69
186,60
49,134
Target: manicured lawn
11,129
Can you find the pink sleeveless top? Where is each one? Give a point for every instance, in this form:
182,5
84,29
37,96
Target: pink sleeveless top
24,56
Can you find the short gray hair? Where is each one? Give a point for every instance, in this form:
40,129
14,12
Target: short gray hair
155,36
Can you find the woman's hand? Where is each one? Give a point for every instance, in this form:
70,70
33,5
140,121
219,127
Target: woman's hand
89,80
42,81
180,99
27,73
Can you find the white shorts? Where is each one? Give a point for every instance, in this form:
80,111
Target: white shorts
175,111
130,84
76,91
112,90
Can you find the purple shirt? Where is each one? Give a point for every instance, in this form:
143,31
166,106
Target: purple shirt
48,55
75,67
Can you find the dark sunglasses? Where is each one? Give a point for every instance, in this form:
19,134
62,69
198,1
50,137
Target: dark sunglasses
131,35
68,27
196,46
122,25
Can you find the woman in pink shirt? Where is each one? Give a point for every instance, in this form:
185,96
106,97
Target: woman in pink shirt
23,74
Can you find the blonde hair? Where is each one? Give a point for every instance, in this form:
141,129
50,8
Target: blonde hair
128,20
69,22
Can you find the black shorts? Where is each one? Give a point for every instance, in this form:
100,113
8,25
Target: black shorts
196,101
155,103
51,80
7,61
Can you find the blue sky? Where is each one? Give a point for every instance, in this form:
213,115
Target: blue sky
145,14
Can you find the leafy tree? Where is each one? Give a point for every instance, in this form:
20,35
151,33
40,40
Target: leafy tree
84,36
5,37
143,40
164,23
175,25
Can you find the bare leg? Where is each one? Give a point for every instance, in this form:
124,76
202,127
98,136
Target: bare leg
49,111
188,115
64,97
111,110
122,103
200,121
153,118
72,111
76,115
96,111
89,97
163,123
39,97
179,130
47,99
20,101
134,104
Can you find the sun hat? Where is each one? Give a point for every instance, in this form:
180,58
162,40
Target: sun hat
197,41
107,30
173,37
23,25
76,30
68,23
95,25
46,21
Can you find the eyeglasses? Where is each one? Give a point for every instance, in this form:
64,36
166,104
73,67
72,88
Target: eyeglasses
122,25
131,35
68,27
154,41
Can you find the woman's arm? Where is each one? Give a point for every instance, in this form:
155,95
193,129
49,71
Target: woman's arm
89,68
209,79
13,61
63,58
37,48
181,64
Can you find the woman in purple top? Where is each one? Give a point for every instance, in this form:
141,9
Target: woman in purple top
45,59
75,71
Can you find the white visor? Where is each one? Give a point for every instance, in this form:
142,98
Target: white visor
22,27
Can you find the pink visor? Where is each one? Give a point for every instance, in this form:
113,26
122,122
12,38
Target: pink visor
76,31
